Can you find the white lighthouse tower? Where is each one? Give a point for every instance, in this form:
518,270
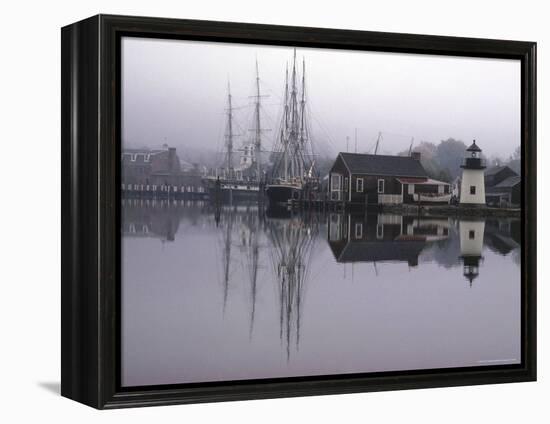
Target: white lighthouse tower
472,191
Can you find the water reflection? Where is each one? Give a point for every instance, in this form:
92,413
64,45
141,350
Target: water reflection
382,237
292,240
277,272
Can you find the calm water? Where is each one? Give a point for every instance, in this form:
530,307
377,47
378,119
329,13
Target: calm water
239,293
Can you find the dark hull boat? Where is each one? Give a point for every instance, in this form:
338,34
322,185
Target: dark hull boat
227,190
280,194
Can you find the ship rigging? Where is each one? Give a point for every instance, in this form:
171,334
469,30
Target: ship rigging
293,169
244,179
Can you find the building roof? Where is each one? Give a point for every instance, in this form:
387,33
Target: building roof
473,148
496,169
379,251
509,182
400,166
143,151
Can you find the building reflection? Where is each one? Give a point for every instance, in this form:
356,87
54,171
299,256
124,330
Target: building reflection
447,241
158,219
382,237
503,235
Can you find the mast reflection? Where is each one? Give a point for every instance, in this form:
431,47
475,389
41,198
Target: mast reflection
292,239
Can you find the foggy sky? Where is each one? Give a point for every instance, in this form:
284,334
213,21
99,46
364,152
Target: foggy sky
175,92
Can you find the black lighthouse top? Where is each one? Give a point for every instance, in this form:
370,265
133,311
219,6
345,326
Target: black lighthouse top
473,161
473,148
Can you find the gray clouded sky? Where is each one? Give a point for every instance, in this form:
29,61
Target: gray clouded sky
175,92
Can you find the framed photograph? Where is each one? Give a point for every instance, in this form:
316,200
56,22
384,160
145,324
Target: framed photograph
254,211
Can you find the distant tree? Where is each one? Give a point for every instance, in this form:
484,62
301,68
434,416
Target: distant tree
449,156
428,160
517,154
444,175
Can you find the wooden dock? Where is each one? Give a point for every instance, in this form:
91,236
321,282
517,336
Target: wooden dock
147,191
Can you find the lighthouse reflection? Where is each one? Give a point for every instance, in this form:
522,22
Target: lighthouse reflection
471,245
280,294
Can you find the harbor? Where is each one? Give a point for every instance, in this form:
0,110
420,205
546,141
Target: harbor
292,212
285,170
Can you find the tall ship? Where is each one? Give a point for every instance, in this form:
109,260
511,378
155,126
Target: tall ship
293,172
241,175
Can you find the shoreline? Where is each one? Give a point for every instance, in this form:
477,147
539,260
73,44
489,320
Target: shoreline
451,210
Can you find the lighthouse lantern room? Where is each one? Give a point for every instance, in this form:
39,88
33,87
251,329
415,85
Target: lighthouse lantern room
472,190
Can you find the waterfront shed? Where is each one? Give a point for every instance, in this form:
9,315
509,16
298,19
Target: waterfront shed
506,193
496,174
380,179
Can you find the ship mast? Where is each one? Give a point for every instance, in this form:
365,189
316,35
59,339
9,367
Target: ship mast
377,143
284,129
258,139
229,134
294,119
302,117
294,137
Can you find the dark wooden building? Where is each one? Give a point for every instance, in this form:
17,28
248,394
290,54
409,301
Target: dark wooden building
502,187
364,179
497,174
507,193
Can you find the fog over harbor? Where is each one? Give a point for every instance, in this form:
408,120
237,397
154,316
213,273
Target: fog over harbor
299,261
175,92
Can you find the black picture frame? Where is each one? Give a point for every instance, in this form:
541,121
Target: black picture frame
90,139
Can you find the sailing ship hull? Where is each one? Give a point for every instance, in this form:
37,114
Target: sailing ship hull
225,190
280,194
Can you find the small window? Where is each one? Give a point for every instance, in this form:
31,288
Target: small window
359,185
359,230
335,182
472,189
380,186
472,234
346,183
379,231
410,189
133,157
